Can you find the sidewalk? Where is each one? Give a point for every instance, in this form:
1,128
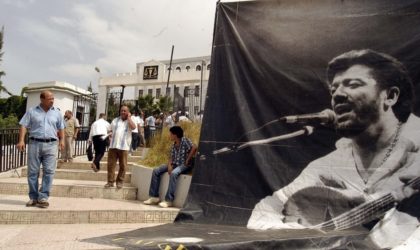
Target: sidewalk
61,236
25,232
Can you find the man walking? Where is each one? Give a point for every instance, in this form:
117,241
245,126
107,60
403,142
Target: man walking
150,124
70,135
180,161
135,132
43,123
99,136
121,128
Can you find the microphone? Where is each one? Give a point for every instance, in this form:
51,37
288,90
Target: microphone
326,116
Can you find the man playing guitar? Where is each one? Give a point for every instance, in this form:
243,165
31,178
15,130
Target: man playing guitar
376,166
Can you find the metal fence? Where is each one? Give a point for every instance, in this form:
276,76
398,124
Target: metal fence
11,158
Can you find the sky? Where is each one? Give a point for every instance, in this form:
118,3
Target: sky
50,40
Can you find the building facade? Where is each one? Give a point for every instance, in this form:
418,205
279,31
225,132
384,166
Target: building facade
187,86
66,97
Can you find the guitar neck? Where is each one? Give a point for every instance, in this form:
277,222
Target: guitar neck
364,212
360,214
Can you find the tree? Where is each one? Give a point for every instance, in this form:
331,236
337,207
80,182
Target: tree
2,73
112,107
147,104
13,106
165,103
89,88
10,121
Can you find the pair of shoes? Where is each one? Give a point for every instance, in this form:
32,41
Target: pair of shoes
94,168
109,185
152,201
166,204
43,203
31,203
119,185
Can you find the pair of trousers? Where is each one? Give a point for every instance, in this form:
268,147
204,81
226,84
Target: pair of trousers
134,141
99,145
67,153
155,182
141,137
113,155
41,153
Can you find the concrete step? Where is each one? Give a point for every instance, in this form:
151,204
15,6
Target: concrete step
86,165
130,158
81,210
82,174
71,189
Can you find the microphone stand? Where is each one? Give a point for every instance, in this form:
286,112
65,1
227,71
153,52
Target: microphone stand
306,130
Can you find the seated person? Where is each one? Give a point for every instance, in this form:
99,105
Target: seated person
182,152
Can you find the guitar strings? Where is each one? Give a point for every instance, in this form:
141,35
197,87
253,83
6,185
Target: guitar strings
364,212
357,215
371,213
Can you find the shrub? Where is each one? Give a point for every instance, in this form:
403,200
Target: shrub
161,144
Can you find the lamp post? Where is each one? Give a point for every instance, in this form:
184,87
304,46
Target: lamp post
203,63
99,94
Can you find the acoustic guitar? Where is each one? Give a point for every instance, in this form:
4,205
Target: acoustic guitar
328,209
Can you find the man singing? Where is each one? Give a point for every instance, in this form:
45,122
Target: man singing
372,97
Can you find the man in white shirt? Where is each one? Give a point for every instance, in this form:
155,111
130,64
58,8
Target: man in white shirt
121,128
150,124
135,132
141,130
99,136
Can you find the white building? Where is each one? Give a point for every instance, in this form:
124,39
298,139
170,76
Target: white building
66,97
189,78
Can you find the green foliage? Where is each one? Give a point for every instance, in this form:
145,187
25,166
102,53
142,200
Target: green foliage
13,106
159,151
113,106
165,104
10,121
2,73
146,103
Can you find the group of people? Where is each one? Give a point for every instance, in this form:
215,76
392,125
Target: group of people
49,131
372,97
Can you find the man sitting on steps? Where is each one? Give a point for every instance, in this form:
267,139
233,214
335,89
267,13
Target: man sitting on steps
182,152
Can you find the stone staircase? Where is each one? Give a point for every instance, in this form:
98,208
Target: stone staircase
78,196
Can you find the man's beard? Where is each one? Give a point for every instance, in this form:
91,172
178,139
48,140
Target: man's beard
359,119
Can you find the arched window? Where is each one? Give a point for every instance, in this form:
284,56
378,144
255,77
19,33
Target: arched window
198,68
178,68
208,66
188,68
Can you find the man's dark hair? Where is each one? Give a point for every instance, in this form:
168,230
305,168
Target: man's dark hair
101,115
386,70
177,130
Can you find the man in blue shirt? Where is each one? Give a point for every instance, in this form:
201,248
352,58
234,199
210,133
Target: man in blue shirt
182,152
43,123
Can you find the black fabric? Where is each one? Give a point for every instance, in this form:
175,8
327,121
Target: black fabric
269,60
42,140
179,236
89,152
99,145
